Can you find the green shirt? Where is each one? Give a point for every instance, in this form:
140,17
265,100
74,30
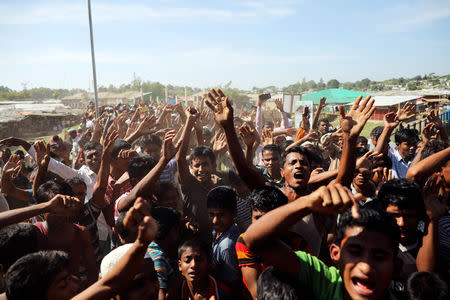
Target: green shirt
324,282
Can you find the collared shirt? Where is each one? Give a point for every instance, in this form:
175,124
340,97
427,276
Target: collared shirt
224,259
267,178
399,165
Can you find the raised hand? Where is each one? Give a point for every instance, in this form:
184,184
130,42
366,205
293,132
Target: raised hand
407,112
367,160
220,105
391,120
267,137
322,103
434,118
169,150
138,220
13,167
63,205
353,121
428,132
333,199
312,136
279,104
127,154
248,135
108,143
291,131
435,197
42,155
147,126
220,142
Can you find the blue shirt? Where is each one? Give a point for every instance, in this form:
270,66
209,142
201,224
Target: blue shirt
224,259
399,165
162,265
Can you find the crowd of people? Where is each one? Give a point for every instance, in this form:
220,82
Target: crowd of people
159,201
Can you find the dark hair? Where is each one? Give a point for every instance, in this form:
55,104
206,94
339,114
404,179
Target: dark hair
167,218
272,147
165,187
376,132
286,144
93,146
75,181
138,167
325,120
31,276
370,219
16,241
119,144
202,151
20,153
195,243
56,139
405,134
222,197
361,151
432,147
274,284
151,139
361,139
425,286
122,231
50,189
298,149
403,193
266,198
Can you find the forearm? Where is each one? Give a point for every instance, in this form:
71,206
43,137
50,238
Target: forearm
182,164
322,178
280,131
284,120
259,120
426,167
119,278
100,186
316,118
248,175
298,143
348,160
275,223
39,179
133,137
199,135
249,154
21,214
383,140
429,252
96,135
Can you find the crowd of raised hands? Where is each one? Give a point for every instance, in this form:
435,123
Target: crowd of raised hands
219,201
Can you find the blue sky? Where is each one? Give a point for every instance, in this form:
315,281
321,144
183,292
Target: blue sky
207,43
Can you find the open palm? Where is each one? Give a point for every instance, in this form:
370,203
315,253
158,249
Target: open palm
220,105
354,120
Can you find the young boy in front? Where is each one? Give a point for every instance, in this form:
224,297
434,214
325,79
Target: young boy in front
221,204
364,250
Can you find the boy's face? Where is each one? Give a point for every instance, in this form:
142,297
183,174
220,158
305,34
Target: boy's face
193,265
362,144
80,191
170,199
407,221
202,168
408,149
271,161
145,284
362,177
152,150
256,214
323,127
92,159
296,170
64,286
366,262
221,219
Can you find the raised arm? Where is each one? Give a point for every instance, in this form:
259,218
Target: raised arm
434,118
59,205
284,117
426,167
270,227
42,158
182,164
121,276
9,172
98,196
435,199
148,182
146,127
320,107
223,113
352,123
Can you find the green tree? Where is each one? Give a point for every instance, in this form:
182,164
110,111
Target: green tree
321,85
333,84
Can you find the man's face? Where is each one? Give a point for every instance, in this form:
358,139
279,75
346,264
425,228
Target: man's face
366,262
323,127
296,170
271,161
408,149
221,219
202,168
145,284
362,177
152,150
92,159
73,134
64,286
362,144
193,265
80,191
407,221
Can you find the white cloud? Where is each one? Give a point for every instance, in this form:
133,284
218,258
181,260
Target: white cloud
168,11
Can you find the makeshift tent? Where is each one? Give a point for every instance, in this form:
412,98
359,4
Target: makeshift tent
338,96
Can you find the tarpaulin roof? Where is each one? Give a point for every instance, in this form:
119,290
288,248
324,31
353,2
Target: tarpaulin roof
339,96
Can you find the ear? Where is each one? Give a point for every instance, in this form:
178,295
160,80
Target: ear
398,266
282,172
179,265
335,253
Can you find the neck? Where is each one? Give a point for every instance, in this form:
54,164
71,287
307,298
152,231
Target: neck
274,174
294,193
198,286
